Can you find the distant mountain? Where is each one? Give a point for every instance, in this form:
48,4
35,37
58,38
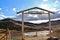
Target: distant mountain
14,25
5,23
56,22
17,25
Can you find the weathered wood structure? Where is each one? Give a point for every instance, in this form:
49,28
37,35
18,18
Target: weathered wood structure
27,10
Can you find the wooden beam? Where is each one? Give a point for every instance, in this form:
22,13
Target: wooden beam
23,26
34,8
49,25
35,13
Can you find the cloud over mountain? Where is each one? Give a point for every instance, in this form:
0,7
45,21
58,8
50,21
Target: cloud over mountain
31,17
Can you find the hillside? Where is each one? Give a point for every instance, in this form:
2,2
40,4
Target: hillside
16,25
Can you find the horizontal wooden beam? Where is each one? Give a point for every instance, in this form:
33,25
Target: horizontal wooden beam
35,13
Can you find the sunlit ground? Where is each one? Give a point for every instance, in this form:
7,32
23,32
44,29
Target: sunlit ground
16,35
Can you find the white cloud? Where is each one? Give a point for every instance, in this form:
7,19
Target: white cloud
45,12
34,15
43,21
1,18
59,12
11,16
38,21
45,6
45,0
55,5
1,15
14,9
56,1
30,15
48,7
0,8
53,9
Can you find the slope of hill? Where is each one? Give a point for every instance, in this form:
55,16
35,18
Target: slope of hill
16,25
13,25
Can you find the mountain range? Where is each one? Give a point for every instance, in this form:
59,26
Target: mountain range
17,25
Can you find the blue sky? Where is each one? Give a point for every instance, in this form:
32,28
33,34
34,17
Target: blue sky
10,7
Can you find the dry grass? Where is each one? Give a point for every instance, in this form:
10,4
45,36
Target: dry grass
16,35
36,38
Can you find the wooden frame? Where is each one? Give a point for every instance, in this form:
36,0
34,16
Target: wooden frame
35,13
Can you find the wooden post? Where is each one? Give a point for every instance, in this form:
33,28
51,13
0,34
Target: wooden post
9,35
36,33
7,29
6,33
49,24
23,26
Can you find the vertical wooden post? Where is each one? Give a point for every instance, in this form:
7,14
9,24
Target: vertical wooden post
23,26
36,33
49,24
8,34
